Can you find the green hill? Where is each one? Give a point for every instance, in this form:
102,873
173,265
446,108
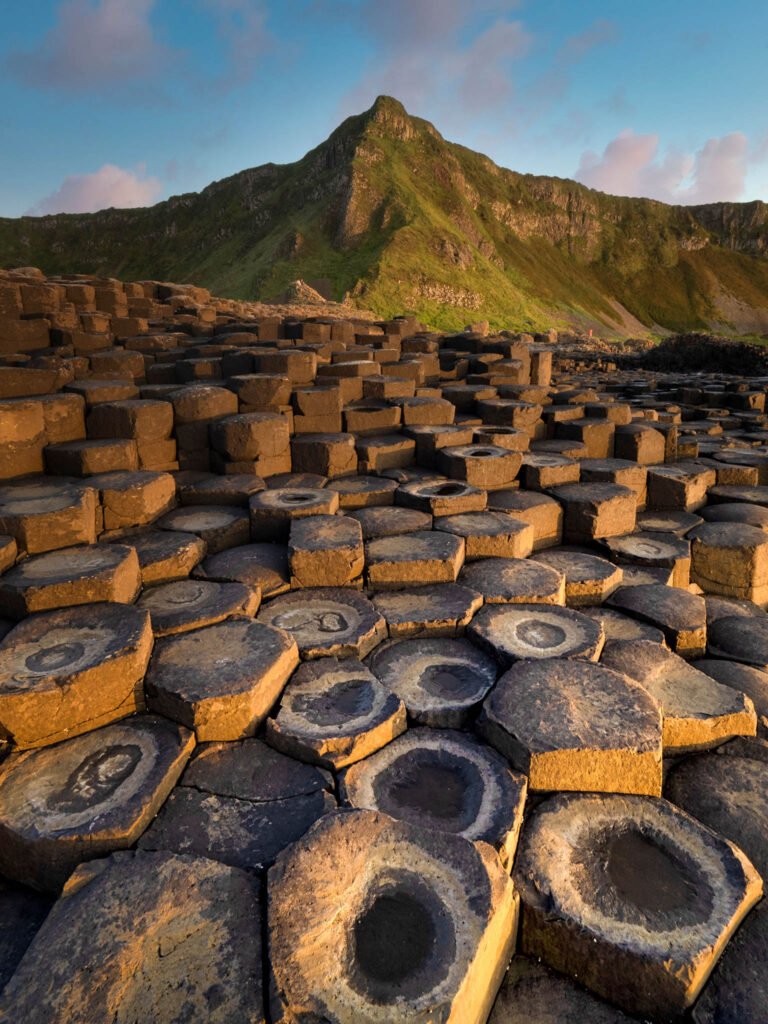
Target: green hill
391,214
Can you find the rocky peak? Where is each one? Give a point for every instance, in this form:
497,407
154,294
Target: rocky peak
388,117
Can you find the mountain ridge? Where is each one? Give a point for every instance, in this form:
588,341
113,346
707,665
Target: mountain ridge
388,213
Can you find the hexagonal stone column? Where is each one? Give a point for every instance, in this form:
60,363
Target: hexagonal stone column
272,511
71,576
698,711
326,551
441,497
221,681
356,492
728,796
588,579
540,511
571,725
514,581
46,516
327,621
731,559
489,534
745,679
486,466
206,910
444,780
740,638
220,526
681,486
512,632
422,557
134,499
440,609
596,510
165,556
66,672
416,924
240,803
334,713
191,604
86,797
618,626
440,681
682,617
653,549
583,871
261,566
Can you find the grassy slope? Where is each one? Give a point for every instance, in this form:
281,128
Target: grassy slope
564,252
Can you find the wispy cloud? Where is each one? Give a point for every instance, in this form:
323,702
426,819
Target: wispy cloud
109,186
94,45
441,55
632,165
242,27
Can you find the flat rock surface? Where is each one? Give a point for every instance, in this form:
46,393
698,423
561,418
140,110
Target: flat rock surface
441,609
514,580
327,621
191,604
223,680
572,725
196,954
86,797
515,632
698,711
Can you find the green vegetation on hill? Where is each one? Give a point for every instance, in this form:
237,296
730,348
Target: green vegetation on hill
397,218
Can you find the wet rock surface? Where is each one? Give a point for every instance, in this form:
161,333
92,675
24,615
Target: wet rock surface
324,642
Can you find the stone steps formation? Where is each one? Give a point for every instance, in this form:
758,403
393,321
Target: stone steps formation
353,673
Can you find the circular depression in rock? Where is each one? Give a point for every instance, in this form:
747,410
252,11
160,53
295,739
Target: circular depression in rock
403,942
449,680
645,874
425,785
539,634
55,658
446,490
296,499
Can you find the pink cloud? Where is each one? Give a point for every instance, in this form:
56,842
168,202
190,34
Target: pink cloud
631,165
94,43
109,186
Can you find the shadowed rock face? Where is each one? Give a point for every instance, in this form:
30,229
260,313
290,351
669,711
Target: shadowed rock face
209,910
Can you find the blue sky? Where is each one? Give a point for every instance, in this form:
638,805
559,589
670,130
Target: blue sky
124,102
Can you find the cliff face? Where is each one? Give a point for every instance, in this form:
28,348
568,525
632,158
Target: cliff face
390,213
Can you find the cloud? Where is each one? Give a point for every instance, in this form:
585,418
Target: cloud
242,26
109,186
94,44
631,165
430,55
553,85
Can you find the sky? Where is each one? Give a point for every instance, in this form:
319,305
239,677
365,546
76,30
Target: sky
125,102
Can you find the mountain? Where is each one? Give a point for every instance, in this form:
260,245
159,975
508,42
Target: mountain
390,213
